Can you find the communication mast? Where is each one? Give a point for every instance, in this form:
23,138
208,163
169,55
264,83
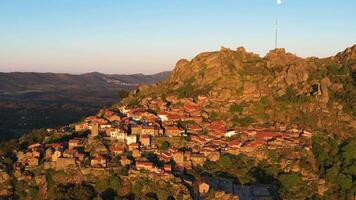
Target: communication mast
279,2
276,35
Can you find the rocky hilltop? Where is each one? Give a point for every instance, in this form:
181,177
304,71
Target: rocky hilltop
312,93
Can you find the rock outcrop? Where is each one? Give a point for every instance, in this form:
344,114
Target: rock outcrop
279,87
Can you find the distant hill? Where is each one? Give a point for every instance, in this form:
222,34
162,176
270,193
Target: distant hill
29,81
40,100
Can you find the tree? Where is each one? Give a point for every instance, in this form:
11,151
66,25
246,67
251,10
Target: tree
137,188
72,191
344,181
32,192
109,194
292,186
225,162
115,182
236,108
165,145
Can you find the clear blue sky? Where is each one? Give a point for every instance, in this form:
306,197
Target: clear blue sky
148,36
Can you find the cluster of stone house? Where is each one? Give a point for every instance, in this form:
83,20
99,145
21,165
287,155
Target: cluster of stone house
131,132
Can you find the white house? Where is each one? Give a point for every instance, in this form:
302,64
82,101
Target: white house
230,133
118,134
163,116
105,126
131,139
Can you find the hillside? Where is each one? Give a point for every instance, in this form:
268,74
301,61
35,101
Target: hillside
225,125
245,89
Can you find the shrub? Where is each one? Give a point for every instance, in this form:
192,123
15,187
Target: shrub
72,191
225,161
236,108
242,121
165,145
32,192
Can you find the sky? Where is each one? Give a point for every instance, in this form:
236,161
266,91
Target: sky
149,36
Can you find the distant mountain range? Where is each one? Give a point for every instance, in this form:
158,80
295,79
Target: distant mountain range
40,100
29,81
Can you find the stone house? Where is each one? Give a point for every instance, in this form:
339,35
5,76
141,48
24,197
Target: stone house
64,163
73,143
149,130
165,156
118,134
253,146
173,131
131,147
94,129
167,167
116,150
113,118
124,161
99,161
197,159
49,153
131,139
56,154
136,129
81,127
136,153
195,118
69,153
203,188
145,140
178,157
32,161
146,165
194,128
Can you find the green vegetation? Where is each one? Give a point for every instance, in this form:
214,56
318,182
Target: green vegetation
242,121
260,108
133,102
191,91
231,167
236,108
187,90
291,97
214,115
346,95
336,161
165,145
291,186
72,191
145,188
32,192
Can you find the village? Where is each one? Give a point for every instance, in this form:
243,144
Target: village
165,137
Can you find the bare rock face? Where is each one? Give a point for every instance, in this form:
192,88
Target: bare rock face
6,188
296,74
279,57
222,196
324,84
348,54
179,69
4,176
